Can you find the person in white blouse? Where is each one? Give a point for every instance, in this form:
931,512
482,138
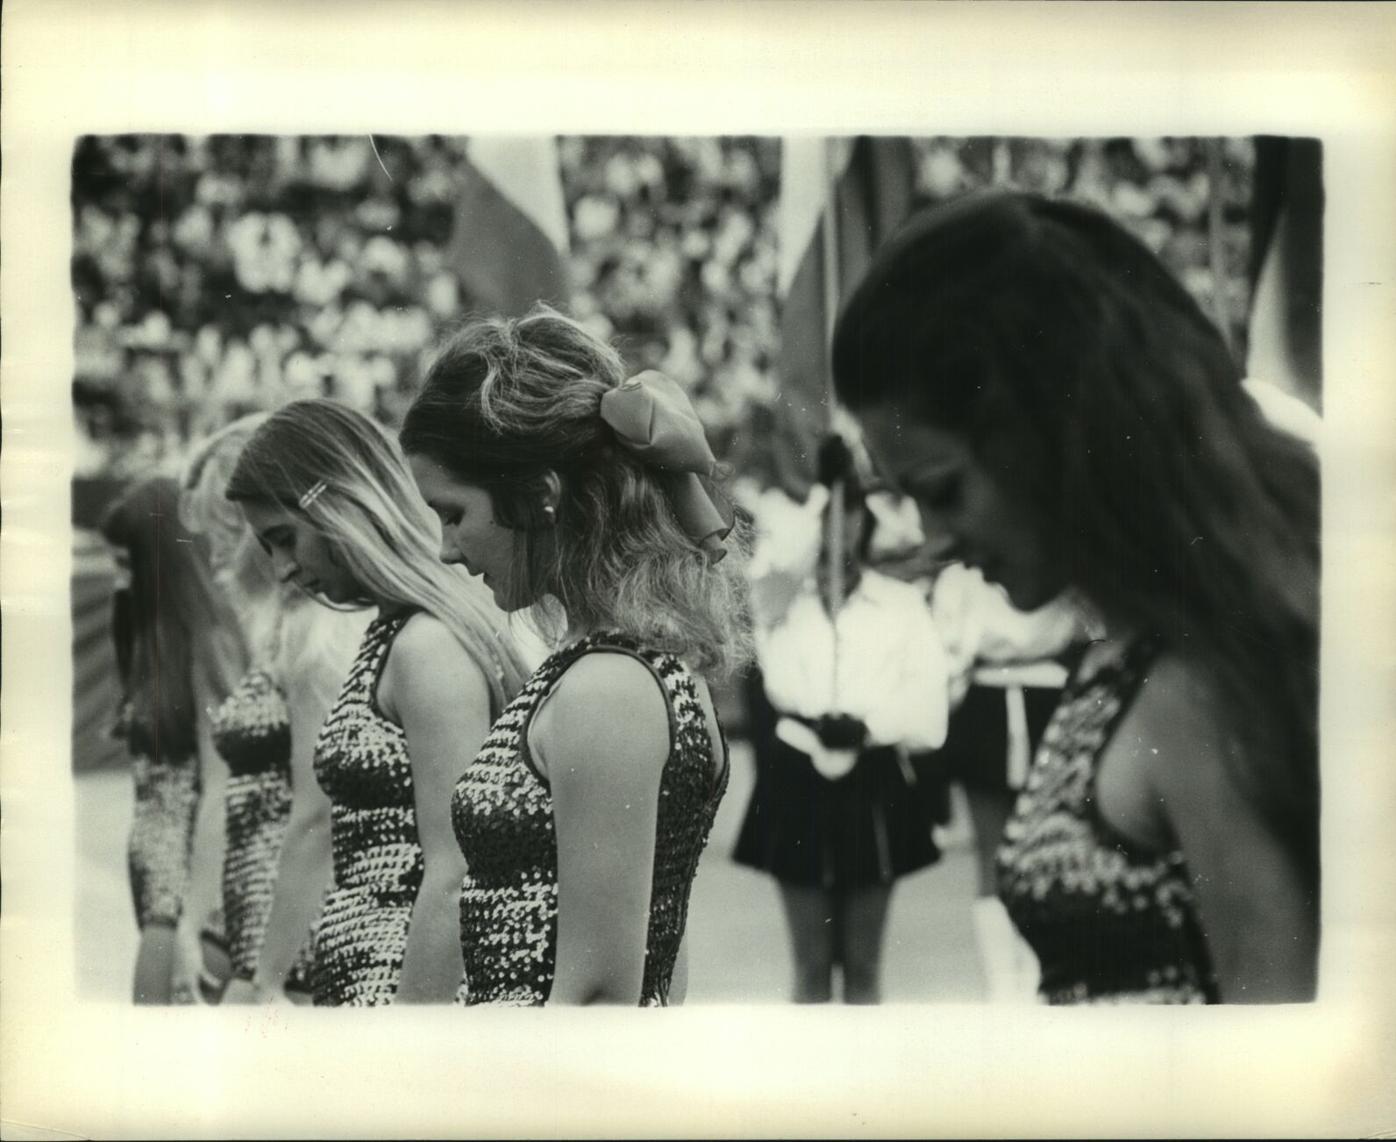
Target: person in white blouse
1005,681
856,679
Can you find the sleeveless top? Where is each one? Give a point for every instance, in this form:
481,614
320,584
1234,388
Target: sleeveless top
252,731
161,839
503,817
361,763
1110,922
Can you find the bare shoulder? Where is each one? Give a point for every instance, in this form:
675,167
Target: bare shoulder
1165,765
606,705
1178,700
425,634
1177,717
426,663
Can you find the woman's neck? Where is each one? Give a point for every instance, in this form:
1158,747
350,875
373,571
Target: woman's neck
577,631
1106,636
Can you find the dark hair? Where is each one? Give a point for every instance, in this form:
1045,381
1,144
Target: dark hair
169,627
1090,383
506,402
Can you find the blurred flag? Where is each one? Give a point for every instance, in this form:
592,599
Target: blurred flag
96,688
872,180
510,236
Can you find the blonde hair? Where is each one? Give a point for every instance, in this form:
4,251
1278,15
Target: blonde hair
242,568
288,635
316,648
368,507
505,403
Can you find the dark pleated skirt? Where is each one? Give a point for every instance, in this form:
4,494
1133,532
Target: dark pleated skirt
867,828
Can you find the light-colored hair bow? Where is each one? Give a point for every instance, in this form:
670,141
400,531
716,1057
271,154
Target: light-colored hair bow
654,420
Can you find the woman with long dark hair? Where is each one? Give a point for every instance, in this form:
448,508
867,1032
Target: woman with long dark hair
578,492
177,651
1067,417
328,495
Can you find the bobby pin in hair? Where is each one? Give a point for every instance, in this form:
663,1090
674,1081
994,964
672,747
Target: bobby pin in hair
312,494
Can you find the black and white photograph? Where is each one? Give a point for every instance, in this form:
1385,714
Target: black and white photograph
227,287
894,596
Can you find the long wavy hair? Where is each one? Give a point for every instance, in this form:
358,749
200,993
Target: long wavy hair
172,631
1090,383
286,632
376,522
505,402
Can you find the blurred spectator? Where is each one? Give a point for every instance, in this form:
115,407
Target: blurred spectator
217,275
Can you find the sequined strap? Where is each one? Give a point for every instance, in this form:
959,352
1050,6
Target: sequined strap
668,670
686,714
373,652
676,685
1120,674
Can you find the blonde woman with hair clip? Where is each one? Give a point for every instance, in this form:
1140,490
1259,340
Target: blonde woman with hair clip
276,862
329,497
568,488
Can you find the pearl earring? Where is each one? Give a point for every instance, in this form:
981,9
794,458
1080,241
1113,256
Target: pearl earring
550,513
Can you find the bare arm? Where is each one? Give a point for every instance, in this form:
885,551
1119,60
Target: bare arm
156,959
441,699
205,894
303,870
1260,921
603,737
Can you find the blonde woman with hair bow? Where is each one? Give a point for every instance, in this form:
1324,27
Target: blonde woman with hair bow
328,495
573,490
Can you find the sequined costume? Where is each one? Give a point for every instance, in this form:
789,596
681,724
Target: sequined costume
253,734
502,813
361,763
162,825
1109,921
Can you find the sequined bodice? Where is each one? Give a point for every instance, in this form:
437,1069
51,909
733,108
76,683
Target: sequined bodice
361,763
252,728
503,817
252,731
162,835
1108,922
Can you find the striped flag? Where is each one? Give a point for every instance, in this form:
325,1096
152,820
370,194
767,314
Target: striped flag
510,239
872,182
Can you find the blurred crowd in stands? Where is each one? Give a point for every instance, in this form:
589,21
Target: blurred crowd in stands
216,275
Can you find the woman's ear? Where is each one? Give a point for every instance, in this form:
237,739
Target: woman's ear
550,489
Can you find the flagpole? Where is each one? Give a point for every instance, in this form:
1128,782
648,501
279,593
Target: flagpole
1216,253
835,545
